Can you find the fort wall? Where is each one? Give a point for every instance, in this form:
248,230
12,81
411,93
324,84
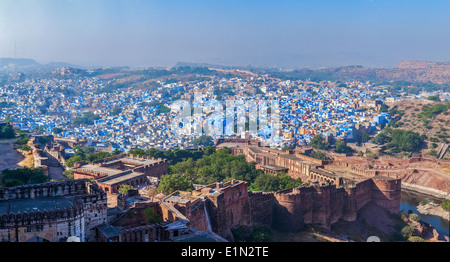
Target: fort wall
291,209
84,207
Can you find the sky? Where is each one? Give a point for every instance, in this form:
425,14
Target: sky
283,33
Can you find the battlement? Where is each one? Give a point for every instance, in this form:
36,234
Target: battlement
73,207
49,189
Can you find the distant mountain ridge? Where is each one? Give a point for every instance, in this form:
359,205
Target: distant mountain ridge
413,71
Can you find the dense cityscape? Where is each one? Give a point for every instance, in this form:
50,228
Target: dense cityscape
132,118
242,125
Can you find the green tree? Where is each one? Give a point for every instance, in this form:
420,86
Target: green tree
382,138
446,204
384,107
415,239
116,151
68,173
57,130
173,182
25,148
261,234
87,118
319,142
434,98
204,141
342,147
151,216
407,231
267,183
318,155
116,111
123,189
72,160
25,175
23,141
209,150
7,131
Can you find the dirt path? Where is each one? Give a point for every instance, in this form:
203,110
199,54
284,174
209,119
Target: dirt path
9,157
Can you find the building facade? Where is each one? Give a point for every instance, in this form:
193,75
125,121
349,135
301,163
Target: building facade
51,212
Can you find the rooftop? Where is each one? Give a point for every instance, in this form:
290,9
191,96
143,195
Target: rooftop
137,161
99,169
14,206
111,180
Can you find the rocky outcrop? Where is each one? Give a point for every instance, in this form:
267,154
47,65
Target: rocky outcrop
434,210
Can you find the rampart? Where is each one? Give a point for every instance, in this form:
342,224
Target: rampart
324,204
52,211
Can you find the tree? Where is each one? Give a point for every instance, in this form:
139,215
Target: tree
72,160
209,150
261,234
434,98
319,142
68,173
23,141
174,182
116,111
384,107
7,131
87,118
162,109
407,231
267,182
25,148
116,151
151,216
123,189
364,136
318,155
25,175
341,147
446,204
382,138
57,130
204,141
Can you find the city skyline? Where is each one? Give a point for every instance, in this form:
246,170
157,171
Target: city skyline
290,34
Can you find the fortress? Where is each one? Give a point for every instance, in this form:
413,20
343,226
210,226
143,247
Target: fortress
56,211
112,172
221,207
52,211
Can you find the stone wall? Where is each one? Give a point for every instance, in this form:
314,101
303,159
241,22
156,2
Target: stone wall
229,209
289,210
46,221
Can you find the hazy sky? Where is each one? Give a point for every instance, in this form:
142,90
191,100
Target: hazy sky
241,32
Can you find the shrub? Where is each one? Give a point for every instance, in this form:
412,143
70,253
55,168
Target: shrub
424,201
151,216
416,239
123,189
407,231
446,204
414,217
25,148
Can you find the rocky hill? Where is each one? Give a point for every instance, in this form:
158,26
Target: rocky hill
411,71
435,72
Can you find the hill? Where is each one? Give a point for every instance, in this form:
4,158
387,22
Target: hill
430,118
434,72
